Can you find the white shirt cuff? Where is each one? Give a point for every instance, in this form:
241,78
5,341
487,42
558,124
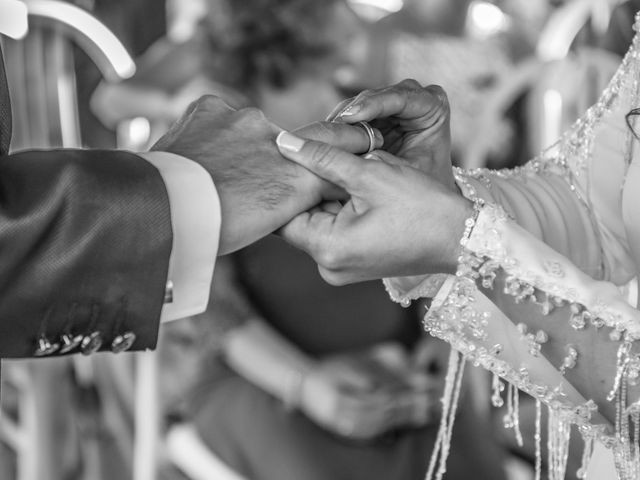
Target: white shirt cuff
195,219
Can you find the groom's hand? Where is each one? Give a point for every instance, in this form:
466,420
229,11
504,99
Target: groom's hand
259,190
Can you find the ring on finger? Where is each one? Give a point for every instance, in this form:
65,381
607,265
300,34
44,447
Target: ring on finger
370,133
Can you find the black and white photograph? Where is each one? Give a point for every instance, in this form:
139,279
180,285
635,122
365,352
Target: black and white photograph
319,239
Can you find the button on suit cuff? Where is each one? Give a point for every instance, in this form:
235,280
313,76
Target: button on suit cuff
168,292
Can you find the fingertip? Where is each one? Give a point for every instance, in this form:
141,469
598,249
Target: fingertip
334,117
350,111
294,231
338,108
288,142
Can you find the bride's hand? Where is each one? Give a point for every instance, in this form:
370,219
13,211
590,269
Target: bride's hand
398,221
414,121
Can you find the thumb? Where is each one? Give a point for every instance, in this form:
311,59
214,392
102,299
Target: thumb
432,155
309,231
332,164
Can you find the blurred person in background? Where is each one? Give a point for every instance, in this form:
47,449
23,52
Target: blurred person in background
271,407
288,378
245,63
285,56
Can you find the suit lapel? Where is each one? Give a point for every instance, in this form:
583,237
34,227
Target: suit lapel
5,110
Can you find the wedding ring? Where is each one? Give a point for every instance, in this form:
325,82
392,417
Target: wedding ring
370,133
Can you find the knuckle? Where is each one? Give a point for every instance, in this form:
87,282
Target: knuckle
373,170
396,90
410,83
253,118
323,155
439,92
325,131
212,102
190,108
366,94
252,114
328,258
408,90
436,89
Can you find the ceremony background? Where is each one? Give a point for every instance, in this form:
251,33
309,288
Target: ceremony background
205,405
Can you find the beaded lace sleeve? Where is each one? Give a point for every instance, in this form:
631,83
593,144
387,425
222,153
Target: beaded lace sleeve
538,298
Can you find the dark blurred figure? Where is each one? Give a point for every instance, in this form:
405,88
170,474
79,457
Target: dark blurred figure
285,55
288,70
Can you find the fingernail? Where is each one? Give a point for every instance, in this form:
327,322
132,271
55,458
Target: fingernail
350,110
371,156
288,141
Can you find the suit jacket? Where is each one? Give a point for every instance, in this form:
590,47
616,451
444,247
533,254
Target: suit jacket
85,240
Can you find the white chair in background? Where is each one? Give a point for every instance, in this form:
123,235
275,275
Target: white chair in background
559,85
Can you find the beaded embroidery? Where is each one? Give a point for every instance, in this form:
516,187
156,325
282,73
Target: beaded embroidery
457,318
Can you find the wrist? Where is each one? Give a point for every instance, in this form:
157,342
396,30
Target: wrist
293,391
294,395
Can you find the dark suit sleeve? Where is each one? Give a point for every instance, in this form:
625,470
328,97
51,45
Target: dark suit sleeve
85,240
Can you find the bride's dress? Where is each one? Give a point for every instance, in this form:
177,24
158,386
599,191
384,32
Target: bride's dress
539,297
